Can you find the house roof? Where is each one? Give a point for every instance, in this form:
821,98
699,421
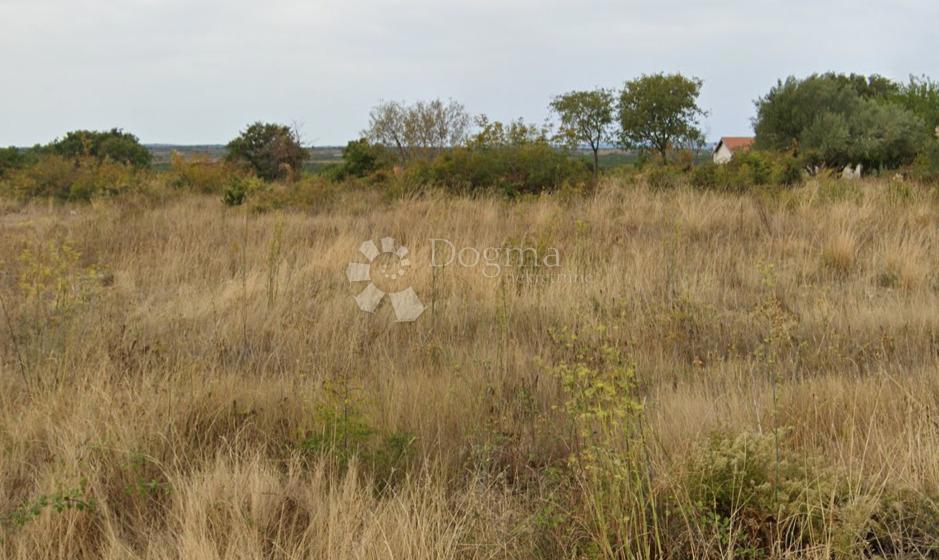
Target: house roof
735,143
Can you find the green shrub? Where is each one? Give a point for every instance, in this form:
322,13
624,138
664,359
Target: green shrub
926,166
748,170
747,485
511,169
750,495
341,433
662,176
11,158
788,171
71,180
360,158
201,174
705,176
314,192
240,187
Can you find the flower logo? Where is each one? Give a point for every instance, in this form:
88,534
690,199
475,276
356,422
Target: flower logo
385,267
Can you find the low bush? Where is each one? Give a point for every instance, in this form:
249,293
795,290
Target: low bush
239,187
660,176
747,170
361,159
756,496
309,192
746,492
10,159
202,174
71,179
926,166
510,169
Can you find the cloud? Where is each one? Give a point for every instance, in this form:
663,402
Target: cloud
197,71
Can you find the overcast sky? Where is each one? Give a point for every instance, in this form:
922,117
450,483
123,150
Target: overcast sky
197,71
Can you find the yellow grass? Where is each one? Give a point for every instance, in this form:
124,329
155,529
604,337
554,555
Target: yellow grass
164,368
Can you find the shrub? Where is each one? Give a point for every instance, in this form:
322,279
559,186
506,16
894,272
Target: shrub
272,151
749,486
114,145
239,188
71,180
747,170
342,433
662,176
926,166
705,176
753,497
309,192
511,169
10,159
788,171
360,159
201,173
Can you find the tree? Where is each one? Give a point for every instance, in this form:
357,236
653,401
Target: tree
795,106
836,120
419,130
495,134
10,158
921,96
658,112
114,145
273,151
887,135
586,116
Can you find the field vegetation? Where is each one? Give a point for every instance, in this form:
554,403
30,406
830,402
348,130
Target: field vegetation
733,361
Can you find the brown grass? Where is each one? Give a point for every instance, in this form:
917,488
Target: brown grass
166,370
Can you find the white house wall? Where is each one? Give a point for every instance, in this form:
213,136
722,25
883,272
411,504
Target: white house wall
723,155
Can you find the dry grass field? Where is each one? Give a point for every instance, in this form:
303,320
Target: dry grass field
709,376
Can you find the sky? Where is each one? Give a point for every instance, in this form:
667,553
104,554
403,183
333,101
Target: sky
198,71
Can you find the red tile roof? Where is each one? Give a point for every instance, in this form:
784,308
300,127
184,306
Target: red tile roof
735,143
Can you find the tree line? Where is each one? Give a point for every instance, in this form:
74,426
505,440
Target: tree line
822,120
657,112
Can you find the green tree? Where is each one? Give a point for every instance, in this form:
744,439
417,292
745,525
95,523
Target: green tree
921,96
835,119
658,112
114,145
886,135
272,151
586,117
795,106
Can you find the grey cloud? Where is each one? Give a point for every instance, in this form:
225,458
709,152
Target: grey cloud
194,72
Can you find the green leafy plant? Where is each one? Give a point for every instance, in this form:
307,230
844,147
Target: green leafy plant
342,433
608,461
240,188
75,499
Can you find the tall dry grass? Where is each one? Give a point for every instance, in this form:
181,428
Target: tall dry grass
184,380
